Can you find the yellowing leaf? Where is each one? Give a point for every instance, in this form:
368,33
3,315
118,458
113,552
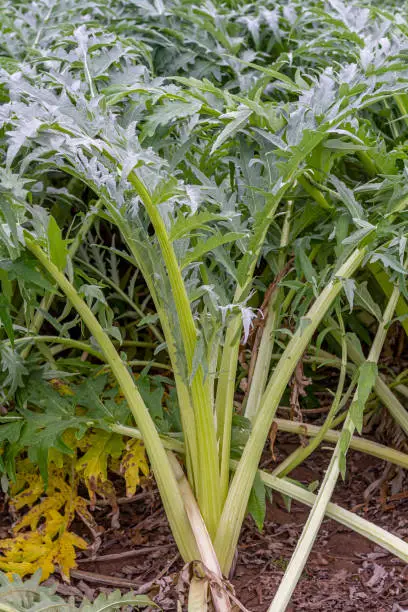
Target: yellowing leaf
55,523
31,494
56,457
46,565
64,551
94,463
27,553
61,387
42,540
133,462
22,569
44,509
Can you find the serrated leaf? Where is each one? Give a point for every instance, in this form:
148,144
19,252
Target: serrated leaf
345,440
366,380
304,264
240,119
64,554
368,372
30,595
133,462
13,365
26,269
349,285
389,262
347,196
168,112
342,465
94,463
208,245
357,415
185,225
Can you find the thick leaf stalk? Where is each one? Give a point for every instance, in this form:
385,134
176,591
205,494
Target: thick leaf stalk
235,507
163,472
207,479
311,529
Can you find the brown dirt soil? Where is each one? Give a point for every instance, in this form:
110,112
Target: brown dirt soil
345,572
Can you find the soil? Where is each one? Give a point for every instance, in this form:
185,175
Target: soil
345,571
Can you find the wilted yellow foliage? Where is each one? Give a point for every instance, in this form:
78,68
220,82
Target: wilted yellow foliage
64,551
93,465
29,495
133,463
41,537
26,553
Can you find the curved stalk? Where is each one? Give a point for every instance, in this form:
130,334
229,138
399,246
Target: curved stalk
316,194
186,408
303,453
64,342
207,478
388,541
263,361
312,526
235,507
383,392
367,529
162,469
356,443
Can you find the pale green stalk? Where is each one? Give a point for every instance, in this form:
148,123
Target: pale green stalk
235,507
383,392
203,539
356,443
225,400
224,403
302,453
64,342
186,408
263,361
380,536
69,343
312,526
388,541
227,377
315,193
403,389
162,469
207,478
